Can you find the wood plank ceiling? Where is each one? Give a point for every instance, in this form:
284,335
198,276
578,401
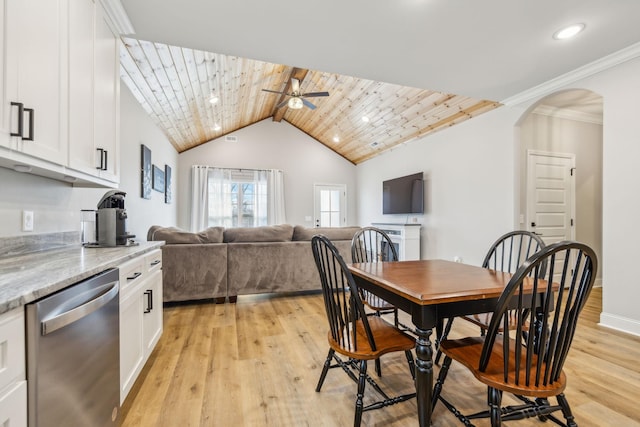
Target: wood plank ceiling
174,85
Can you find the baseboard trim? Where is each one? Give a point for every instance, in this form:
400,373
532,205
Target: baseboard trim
619,323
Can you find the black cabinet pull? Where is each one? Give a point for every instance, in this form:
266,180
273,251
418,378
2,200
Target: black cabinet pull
134,275
103,159
20,106
32,114
156,262
149,294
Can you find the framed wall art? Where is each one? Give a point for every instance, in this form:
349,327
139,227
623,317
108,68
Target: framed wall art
145,172
158,179
167,184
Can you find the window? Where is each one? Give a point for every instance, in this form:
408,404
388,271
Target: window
236,197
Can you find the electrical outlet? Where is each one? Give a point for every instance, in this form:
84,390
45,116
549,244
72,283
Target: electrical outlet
27,220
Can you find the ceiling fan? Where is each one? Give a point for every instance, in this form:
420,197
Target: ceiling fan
296,98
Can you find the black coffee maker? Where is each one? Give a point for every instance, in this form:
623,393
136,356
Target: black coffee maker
111,224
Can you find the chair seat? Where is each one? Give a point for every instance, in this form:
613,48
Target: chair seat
387,337
376,303
483,319
467,351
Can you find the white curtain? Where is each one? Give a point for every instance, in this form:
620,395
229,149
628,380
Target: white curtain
199,198
275,197
212,197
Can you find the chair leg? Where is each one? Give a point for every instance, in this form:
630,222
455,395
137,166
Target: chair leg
395,317
378,368
443,337
566,410
362,381
437,388
495,401
412,365
325,369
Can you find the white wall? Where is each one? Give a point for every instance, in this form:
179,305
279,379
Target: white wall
470,173
57,205
469,186
272,145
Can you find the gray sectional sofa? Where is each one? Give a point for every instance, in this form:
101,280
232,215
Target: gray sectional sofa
219,263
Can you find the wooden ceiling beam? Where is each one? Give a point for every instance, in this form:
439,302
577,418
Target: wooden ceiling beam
296,73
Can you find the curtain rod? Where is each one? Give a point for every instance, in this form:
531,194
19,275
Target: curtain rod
235,169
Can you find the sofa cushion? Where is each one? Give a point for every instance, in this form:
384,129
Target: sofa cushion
173,235
270,233
332,233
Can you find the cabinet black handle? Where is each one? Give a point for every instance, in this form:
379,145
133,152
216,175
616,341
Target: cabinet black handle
20,106
32,114
103,159
156,262
149,294
134,275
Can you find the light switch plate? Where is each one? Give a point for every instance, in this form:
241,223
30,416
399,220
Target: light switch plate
27,220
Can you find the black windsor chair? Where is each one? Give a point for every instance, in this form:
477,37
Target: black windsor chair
352,333
528,365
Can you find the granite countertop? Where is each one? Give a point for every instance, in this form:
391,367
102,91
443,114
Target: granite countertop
30,276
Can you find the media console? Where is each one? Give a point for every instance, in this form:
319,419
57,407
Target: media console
405,237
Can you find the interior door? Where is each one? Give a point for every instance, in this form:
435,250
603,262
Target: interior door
551,195
330,201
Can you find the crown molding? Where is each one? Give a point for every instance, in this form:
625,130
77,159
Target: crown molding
550,86
118,16
568,114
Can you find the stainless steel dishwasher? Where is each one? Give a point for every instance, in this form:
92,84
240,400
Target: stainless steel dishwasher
73,365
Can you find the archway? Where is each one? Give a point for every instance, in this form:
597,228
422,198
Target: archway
567,122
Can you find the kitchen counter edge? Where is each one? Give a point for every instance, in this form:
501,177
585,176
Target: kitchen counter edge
29,277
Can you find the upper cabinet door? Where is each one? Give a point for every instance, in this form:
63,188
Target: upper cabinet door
107,97
35,61
93,92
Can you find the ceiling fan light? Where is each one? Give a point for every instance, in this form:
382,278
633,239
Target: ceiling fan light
295,103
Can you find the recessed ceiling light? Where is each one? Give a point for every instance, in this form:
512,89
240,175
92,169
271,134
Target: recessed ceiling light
214,99
336,138
217,127
568,32
365,119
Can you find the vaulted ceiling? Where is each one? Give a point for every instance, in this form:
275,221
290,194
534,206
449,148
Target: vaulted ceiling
359,119
411,66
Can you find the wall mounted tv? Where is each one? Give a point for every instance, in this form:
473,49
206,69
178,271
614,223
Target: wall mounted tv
404,195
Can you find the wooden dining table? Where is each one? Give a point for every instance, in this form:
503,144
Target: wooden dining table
430,291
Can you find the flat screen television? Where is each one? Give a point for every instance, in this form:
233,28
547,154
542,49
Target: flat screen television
404,195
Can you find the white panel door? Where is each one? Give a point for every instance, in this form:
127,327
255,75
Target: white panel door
550,195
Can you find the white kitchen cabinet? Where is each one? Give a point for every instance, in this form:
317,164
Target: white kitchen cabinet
59,67
35,76
141,322
13,384
93,92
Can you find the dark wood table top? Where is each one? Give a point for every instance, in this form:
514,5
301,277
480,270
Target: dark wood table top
429,282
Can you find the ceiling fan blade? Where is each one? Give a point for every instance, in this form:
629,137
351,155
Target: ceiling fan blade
274,91
308,104
282,104
313,94
295,85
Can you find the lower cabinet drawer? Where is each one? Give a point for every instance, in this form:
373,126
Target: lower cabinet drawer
13,405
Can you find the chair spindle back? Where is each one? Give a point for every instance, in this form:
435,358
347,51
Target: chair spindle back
539,353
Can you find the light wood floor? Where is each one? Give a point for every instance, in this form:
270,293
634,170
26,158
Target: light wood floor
256,363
